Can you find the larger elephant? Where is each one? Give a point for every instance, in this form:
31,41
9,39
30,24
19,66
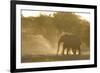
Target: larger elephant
69,42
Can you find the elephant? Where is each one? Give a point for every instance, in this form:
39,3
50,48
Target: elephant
69,42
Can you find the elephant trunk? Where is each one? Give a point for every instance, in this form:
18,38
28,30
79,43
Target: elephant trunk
58,48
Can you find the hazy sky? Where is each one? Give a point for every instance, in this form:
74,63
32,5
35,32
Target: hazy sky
85,16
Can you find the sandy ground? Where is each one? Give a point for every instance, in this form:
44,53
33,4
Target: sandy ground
43,58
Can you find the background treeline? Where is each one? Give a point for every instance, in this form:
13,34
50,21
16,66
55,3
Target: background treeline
51,27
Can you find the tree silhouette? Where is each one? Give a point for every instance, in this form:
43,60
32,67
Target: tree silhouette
52,27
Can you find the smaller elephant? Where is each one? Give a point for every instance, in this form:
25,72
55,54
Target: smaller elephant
69,42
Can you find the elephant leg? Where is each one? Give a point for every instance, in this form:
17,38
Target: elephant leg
74,51
67,51
63,50
79,51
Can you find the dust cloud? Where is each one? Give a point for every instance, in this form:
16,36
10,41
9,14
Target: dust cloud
37,45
